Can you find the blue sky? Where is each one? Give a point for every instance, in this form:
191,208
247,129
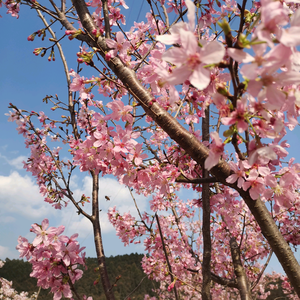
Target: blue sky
25,80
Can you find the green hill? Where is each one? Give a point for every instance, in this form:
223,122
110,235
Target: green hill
126,266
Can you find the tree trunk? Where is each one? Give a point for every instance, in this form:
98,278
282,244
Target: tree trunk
206,269
242,281
98,241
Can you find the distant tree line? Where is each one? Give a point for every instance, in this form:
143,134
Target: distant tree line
125,273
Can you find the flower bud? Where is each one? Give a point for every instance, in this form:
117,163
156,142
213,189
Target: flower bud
31,37
68,32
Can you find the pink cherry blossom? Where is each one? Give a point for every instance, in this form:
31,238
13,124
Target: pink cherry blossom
190,59
238,116
239,174
215,152
143,131
43,235
120,45
137,155
171,286
24,247
63,289
53,259
289,36
274,96
119,111
255,183
77,83
273,13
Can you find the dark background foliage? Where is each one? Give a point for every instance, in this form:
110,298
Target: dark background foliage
126,266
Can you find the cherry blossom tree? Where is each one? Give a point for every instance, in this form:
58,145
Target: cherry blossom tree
197,104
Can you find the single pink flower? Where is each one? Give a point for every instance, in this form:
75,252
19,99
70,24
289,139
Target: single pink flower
290,37
273,13
215,152
171,286
62,289
24,247
265,154
137,155
78,83
255,183
43,235
239,173
119,110
272,83
190,59
238,116
119,45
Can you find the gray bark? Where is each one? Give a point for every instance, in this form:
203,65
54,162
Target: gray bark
239,271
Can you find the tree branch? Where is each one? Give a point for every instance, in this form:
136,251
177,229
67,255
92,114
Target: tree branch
262,271
224,281
98,239
183,179
166,255
66,69
106,19
206,268
242,281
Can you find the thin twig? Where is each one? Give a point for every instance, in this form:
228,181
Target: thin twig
66,69
182,179
166,255
166,15
262,271
136,287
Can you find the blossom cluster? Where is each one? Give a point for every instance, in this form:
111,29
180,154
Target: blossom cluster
54,257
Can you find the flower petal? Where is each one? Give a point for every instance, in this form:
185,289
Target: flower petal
200,78
176,56
189,42
290,37
168,39
191,14
179,75
212,53
240,55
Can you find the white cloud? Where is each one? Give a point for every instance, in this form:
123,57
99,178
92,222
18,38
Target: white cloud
19,195
16,162
78,224
21,205
6,219
119,195
5,252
